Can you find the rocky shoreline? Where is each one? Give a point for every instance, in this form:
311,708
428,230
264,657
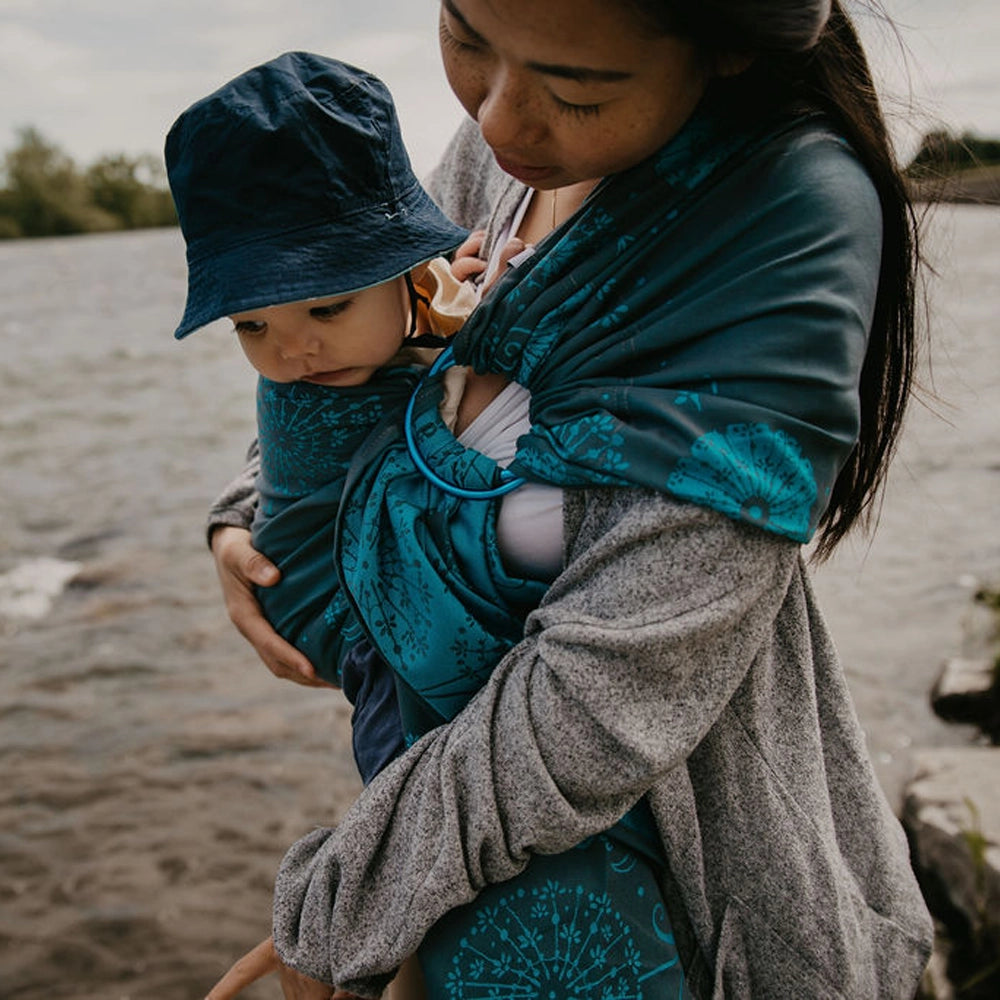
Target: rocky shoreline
951,813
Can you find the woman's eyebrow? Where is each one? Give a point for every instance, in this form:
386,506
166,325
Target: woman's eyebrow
579,74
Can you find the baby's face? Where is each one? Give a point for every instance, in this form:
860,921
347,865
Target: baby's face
335,341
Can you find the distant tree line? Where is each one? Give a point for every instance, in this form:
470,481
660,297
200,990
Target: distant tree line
943,152
44,193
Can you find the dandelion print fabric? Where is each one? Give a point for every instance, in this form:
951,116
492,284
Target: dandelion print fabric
589,924
750,473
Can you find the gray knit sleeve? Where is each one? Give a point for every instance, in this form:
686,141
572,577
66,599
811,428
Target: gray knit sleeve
467,182
236,505
632,656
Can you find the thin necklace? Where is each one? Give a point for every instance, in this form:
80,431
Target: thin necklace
555,195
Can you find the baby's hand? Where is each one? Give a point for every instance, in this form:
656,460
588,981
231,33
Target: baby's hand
466,263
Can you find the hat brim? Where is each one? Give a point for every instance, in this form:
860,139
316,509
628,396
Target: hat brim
368,247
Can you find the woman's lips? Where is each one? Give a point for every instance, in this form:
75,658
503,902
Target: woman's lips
524,172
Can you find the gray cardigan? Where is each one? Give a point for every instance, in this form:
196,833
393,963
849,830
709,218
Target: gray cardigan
679,655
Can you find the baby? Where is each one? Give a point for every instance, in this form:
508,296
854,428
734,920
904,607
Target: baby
306,226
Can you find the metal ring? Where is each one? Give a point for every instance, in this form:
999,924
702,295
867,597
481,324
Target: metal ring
510,481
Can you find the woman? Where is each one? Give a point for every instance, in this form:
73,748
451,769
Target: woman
734,299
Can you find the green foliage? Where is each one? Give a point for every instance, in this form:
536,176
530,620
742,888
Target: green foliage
132,189
45,194
941,152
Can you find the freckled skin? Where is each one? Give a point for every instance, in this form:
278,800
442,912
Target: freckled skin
506,61
565,92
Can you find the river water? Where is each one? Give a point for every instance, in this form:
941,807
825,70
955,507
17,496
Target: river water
153,771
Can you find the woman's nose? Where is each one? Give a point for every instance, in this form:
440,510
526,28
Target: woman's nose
507,116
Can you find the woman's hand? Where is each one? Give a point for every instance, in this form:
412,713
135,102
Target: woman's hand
295,986
262,961
240,566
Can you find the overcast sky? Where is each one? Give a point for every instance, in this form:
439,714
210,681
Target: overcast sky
102,76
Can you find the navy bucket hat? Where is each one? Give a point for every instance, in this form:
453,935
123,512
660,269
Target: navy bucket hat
292,182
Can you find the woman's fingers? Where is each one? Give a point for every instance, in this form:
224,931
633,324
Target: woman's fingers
280,657
241,567
262,961
255,964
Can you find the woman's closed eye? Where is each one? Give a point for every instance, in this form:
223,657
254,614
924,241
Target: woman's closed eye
456,34
579,110
452,41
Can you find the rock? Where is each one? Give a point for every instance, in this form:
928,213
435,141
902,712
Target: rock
952,814
966,692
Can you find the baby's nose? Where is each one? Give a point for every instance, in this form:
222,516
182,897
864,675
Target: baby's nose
298,344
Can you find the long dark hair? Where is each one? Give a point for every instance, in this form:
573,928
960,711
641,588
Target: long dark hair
808,52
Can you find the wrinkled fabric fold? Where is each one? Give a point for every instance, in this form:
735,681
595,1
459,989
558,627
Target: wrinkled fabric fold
307,436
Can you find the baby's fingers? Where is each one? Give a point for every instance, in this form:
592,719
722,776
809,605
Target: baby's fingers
472,245
466,263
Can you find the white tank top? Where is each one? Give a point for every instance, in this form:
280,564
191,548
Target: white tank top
529,523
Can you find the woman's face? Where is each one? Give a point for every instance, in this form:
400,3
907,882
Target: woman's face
567,90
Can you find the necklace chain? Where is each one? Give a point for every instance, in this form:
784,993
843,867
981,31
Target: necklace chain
555,196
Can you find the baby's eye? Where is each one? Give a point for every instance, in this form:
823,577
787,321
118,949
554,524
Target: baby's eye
249,327
330,310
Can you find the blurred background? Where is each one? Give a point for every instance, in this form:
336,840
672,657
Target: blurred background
154,771
102,76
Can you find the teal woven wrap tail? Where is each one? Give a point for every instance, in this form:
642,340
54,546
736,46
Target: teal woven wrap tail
699,326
